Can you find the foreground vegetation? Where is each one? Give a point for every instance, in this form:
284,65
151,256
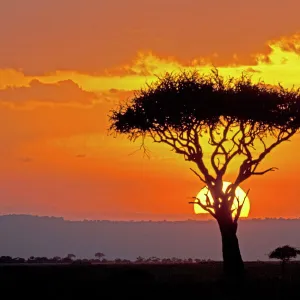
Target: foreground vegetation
263,280
283,253
71,259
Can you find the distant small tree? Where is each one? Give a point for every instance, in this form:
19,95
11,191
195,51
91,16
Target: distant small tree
166,261
6,259
19,260
190,260
176,260
44,259
285,254
99,255
31,259
71,256
118,260
140,259
56,259
155,259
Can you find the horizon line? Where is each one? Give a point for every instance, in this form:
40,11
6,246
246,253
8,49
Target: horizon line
142,220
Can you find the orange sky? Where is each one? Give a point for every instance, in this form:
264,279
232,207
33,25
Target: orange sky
65,64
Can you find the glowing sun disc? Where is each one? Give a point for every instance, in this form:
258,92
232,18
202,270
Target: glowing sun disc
239,194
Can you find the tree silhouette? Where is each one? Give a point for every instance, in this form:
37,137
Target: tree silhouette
99,255
56,259
140,259
284,253
71,256
234,117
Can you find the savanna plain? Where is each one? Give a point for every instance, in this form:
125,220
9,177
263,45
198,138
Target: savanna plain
263,280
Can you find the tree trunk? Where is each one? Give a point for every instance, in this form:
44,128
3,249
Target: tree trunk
283,263
232,259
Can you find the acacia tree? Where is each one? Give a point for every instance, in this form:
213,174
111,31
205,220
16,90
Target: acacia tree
284,253
71,256
237,118
99,255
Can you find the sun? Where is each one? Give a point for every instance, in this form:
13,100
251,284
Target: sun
240,194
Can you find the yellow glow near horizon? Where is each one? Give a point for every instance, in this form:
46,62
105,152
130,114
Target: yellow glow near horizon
240,194
281,64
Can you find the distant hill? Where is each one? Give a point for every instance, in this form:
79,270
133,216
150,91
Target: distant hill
25,235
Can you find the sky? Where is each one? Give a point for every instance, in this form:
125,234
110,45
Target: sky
65,64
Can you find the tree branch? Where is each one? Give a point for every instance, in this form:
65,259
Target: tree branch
198,175
146,152
249,165
205,207
264,172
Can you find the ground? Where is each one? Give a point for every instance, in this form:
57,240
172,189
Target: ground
157,281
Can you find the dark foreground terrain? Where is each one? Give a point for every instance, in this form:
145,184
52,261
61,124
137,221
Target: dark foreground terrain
155,281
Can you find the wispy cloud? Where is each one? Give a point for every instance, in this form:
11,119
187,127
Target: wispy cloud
61,92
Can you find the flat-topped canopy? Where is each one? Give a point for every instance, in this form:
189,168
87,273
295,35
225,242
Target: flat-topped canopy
179,100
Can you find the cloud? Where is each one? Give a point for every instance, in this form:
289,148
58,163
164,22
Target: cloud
288,43
114,96
70,35
61,92
252,70
279,62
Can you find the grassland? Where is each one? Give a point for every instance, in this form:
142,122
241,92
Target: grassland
150,281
